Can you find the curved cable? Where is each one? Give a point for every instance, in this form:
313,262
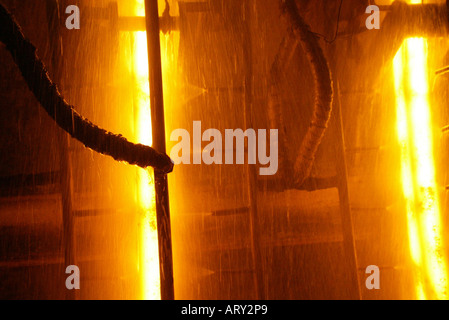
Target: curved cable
46,92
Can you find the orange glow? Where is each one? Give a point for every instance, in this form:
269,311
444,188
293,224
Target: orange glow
414,128
146,194
149,262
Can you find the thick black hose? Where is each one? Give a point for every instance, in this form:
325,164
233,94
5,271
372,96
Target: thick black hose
46,92
323,90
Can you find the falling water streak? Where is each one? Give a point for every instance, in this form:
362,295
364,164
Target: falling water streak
418,168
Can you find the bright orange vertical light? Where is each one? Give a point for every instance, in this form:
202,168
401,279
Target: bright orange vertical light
414,127
146,194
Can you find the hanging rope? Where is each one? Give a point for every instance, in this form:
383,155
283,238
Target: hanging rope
323,89
80,128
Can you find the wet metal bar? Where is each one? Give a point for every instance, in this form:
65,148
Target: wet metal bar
158,131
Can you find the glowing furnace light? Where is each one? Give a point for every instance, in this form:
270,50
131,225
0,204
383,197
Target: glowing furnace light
149,239
418,169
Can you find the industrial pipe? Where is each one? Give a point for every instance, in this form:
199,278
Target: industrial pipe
323,84
158,131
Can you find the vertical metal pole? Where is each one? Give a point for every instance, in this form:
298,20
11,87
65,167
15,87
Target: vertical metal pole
343,193
349,247
67,208
256,251
158,131
65,162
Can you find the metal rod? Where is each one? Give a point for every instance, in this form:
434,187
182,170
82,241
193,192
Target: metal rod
231,212
349,245
445,129
256,251
65,162
158,132
442,71
343,194
67,208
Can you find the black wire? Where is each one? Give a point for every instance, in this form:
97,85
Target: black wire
336,31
